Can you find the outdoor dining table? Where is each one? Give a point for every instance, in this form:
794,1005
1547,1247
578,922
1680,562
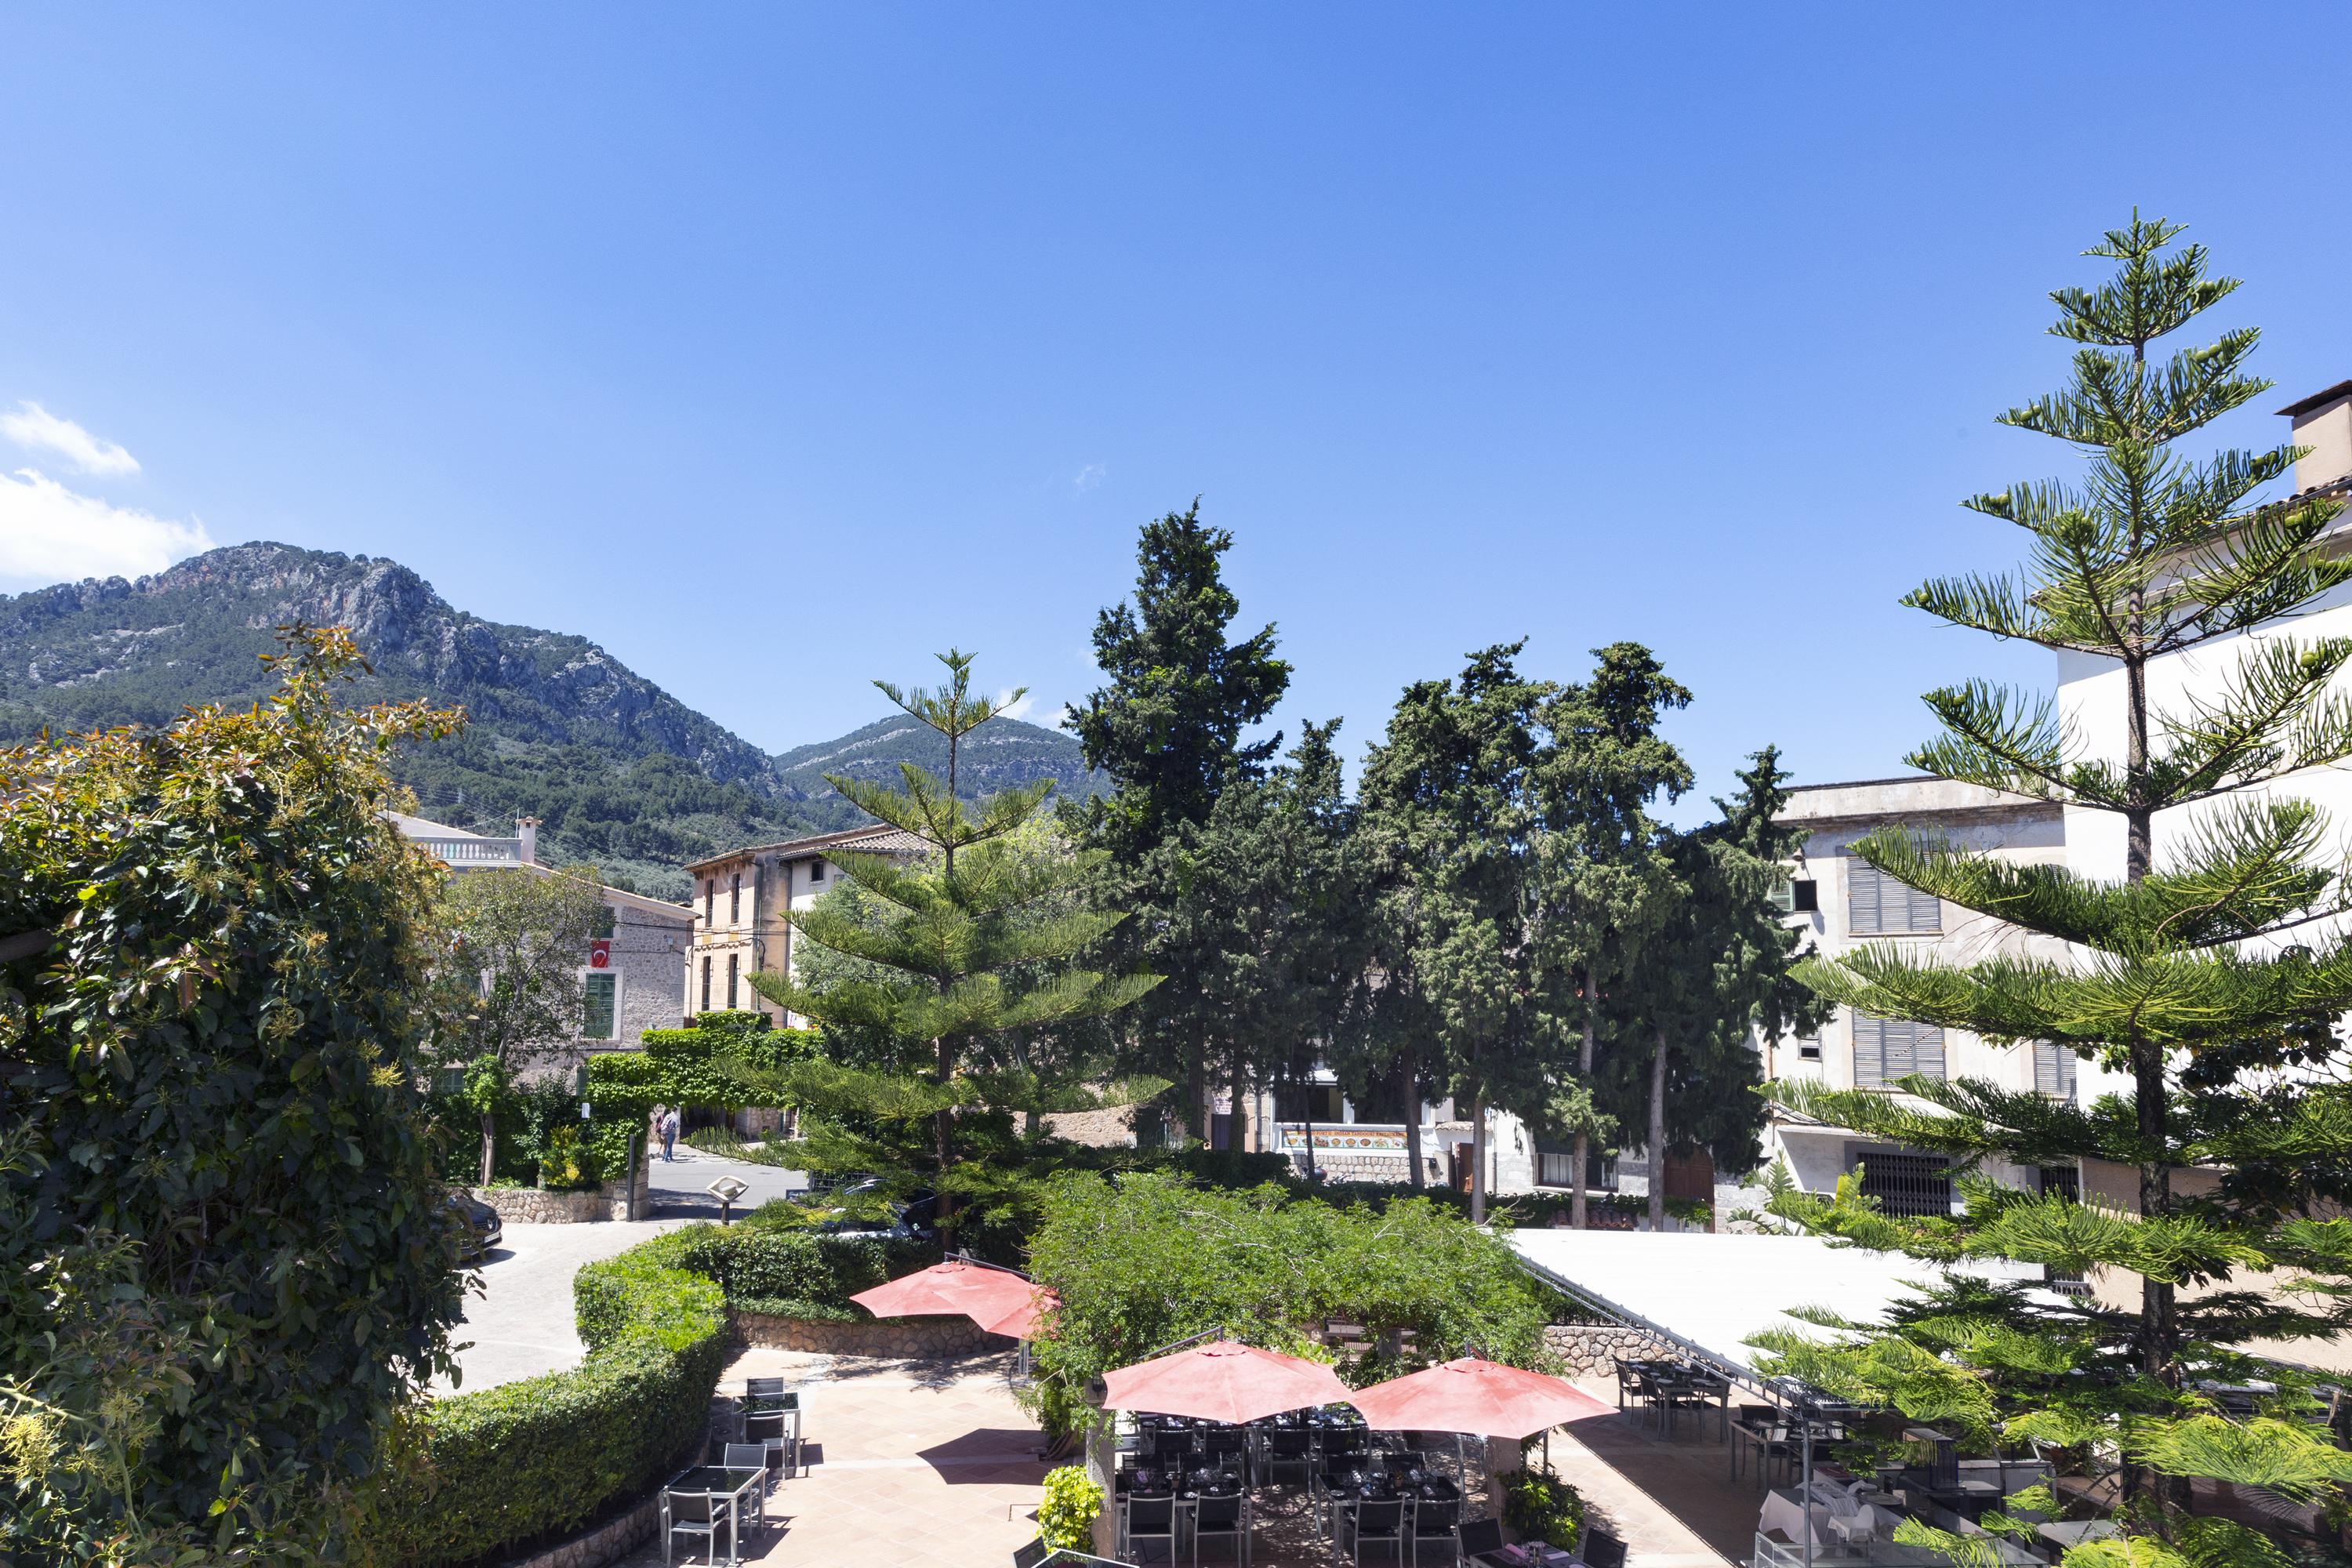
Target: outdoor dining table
716,1482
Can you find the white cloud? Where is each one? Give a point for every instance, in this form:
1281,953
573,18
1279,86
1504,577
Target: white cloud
1087,478
51,534
1015,710
34,427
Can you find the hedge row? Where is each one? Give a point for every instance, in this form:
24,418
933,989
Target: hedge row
481,1473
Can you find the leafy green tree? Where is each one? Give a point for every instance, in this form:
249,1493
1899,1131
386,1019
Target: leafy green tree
962,949
2180,975
1719,969
1604,881
1168,729
1264,902
517,940
224,1258
1450,819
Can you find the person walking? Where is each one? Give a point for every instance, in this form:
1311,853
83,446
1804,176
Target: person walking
669,1133
652,1129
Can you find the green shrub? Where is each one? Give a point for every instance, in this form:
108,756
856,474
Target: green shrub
771,1263
479,1473
1066,1519
1542,1508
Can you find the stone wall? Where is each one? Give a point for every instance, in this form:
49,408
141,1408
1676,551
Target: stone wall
1111,1129
899,1339
603,1544
530,1205
1593,1349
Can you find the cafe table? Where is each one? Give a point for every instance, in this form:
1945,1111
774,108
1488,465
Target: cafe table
717,1482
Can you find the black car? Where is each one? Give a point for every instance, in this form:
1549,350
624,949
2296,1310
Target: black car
483,1227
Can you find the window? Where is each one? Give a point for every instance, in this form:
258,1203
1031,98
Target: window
707,884
600,1018
1886,1049
816,870
1556,1167
1797,897
1918,1185
1878,905
2063,1182
1808,1048
705,985
604,924
734,963
735,899
2053,1070
1309,1102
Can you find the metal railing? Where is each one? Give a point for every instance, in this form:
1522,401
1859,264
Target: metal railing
473,851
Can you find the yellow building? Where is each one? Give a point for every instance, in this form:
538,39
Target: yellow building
739,904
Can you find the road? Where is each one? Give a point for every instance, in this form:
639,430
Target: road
521,1323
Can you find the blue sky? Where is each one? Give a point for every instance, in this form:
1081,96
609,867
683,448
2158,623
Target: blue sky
776,348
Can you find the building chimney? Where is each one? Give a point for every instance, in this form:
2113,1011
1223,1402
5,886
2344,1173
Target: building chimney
527,829
2322,422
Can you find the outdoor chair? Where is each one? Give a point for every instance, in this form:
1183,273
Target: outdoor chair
750,1457
779,1431
1381,1523
1226,1518
1603,1549
1437,1523
1631,1376
1286,1448
1323,1496
1029,1556
689,1515
1482,1540
1224,1443
1147,1519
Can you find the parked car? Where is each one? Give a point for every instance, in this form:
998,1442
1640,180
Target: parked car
914,1220
483,1227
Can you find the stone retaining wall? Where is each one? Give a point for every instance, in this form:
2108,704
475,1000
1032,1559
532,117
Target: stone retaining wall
899,1339
1593,1349
530,1205
603,1544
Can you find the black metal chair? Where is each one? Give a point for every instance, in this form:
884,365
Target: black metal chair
750,1457
1437,1521
1383,1523
778,1430
1482,1540
1286,1448
1224,1517
1147,1519
1602,1550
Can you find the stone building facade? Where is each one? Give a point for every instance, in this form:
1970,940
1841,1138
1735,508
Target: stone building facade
738,925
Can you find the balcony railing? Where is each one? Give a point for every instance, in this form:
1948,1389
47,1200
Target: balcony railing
468,853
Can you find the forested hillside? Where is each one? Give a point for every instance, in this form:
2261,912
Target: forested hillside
621,772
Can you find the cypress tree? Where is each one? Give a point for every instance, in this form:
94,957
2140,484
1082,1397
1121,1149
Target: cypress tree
2210,974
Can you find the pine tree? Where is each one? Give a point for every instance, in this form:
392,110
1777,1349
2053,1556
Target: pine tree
970,945
1168,728
2211,974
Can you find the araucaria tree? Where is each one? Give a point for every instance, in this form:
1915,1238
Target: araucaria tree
971,944
1167,726
2210,973
517,940
224,1257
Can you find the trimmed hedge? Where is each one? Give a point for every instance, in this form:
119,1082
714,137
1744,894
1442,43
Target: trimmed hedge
481,1473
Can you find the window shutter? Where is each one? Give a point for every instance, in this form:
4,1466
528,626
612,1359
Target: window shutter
1928,1050
1864,889
2053,1070
1869,1051
1923,911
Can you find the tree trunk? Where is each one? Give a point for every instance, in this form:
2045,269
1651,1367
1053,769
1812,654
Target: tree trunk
1477,1160
489,1144
1658,1135
1196,1097
1576,1205
943,1146
1409,1070
1237,1125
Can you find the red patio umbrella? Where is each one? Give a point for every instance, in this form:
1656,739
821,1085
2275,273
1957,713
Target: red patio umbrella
953,1289
1222,1381
1483,1398
1022,1322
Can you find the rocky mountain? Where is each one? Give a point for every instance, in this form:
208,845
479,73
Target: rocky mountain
621,772
999,755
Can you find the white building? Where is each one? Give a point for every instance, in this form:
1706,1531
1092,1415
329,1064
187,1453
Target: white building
629,984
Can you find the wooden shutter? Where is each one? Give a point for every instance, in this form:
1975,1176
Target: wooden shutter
1878,905
1886,1049
2053,1070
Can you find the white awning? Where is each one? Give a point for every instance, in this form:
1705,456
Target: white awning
1713,1292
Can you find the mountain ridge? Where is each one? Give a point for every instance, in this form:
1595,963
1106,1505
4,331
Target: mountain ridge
621,772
